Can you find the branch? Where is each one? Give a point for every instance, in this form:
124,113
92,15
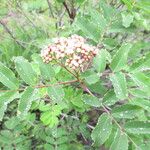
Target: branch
59,83
107,111
42,86
67,9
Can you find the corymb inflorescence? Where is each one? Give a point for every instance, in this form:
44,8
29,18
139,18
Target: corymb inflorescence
73,52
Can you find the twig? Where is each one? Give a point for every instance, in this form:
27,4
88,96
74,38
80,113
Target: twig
11,34
66,116
68,70
89,126
72,12
50,9
61,17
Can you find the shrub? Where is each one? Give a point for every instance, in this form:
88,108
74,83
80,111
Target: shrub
88,88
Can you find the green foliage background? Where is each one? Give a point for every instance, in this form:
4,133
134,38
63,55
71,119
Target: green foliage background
38,113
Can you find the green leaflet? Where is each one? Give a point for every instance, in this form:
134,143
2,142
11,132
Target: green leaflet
7,77
135,52
110,43
127,19
91,100
119,61
48,146
25,70
77,101
12,122
98,87
140,93
141,80
102,130
5,99
99,19
99,62
141,64
144,146
126,111
137,127
56,93
119,83
128,3
26,100
88,28
50,117
43,107
92,79
108,11
143,103
46,70
117,27
120,141
90,76
6,137
74,99
80,1
144,6
110,98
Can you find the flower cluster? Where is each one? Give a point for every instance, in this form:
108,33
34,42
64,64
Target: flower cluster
73,52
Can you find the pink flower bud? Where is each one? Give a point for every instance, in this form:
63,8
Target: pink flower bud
73,51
